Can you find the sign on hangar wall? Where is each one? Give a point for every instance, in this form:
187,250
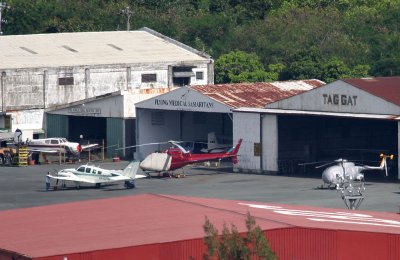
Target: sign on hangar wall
184,99
338,96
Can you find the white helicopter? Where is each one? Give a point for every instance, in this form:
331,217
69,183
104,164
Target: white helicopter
97,176
345,171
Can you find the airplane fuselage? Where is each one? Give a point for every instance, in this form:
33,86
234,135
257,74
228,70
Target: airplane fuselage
53,145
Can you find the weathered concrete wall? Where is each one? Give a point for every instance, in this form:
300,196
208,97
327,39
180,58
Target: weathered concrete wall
39,87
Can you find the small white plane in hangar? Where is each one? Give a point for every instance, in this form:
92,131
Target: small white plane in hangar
54,145
97,176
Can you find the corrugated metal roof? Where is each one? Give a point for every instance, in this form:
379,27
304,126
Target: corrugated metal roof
387,88
149,219
256,94
92,48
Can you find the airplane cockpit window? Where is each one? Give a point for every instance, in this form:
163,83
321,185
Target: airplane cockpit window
94,171
54,141
88,169
81,169
63,140
99,172
47,141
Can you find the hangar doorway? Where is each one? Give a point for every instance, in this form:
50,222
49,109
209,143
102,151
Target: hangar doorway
307,139
93,129
155,125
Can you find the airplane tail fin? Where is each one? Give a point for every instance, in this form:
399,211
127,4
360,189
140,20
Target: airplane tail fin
131,170
212,140
235,151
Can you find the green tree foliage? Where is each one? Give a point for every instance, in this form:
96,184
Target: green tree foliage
231,245
239,66
323,39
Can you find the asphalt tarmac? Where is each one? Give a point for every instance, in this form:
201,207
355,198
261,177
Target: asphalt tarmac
22,187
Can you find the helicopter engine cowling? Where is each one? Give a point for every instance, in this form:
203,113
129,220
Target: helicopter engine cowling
157,162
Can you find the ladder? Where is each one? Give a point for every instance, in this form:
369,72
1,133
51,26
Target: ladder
21,158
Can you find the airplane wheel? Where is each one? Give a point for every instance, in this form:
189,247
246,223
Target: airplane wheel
130,185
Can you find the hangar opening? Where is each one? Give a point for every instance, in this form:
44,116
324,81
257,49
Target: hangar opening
188,126
90,128
323,139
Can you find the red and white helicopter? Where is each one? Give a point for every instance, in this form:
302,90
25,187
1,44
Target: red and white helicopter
177,157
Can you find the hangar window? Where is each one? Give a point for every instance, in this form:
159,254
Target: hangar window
199,75
181,76
199,118
157,118
149,78
66,81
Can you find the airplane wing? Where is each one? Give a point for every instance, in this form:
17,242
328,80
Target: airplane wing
6,136
71,178
88,146
36,150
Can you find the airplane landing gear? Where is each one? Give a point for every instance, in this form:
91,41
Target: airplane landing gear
129,184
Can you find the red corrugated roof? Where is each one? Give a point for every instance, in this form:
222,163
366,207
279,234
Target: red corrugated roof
256,94
387,88
148,219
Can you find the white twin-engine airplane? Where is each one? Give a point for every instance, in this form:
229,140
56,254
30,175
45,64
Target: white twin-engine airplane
97,176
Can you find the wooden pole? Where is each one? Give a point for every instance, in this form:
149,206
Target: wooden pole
102,150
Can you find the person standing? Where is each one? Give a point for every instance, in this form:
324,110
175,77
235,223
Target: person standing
48,181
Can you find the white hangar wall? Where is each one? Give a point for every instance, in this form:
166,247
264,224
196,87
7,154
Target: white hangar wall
164,123
259,150
247,126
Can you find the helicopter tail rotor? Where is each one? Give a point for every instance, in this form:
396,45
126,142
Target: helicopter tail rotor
384,163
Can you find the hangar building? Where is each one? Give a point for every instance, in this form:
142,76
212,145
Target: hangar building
355,119
40,73
190,113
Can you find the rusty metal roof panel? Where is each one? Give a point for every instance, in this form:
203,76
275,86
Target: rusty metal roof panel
257,94
387,88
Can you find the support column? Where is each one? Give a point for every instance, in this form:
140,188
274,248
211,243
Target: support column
128,78
87,82
398,150
269,143
45,87
210,73
2,83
